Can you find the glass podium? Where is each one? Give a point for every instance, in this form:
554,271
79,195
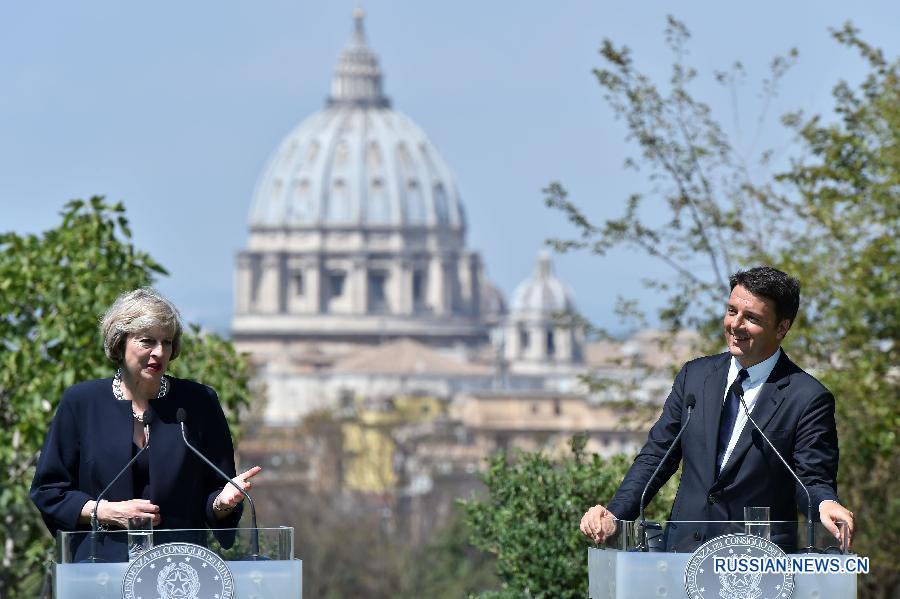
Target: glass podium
97,565
712,560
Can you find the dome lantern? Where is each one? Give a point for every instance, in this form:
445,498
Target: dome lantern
357,77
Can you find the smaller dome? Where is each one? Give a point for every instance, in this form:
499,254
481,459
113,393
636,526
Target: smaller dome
542,295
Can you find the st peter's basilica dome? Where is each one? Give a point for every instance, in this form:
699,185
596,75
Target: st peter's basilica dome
357,162
357,232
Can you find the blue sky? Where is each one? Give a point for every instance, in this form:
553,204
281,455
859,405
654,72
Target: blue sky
174,108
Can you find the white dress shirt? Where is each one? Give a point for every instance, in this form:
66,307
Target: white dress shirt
752,385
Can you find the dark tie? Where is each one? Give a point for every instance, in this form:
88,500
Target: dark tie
729,416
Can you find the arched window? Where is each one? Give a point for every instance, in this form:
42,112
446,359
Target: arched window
440,204
378,206
335,288
341,155
301,201
312,152
339,209
298,283
415,204
378,302
419,288
373,155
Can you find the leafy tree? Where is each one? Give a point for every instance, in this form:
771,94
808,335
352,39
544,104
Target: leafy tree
704,213
530,519
847,195
53,289
831,220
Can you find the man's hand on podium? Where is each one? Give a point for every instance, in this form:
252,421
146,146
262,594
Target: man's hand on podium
598,524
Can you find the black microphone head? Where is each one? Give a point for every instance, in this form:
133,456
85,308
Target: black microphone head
148,416
691,401
181,415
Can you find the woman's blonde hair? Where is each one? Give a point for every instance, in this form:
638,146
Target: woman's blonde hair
137,311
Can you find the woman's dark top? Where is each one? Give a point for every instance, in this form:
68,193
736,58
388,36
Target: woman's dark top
140,471
91,439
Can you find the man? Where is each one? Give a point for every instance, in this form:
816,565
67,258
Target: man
727,464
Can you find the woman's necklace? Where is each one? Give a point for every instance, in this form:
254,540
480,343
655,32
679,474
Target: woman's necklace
117,391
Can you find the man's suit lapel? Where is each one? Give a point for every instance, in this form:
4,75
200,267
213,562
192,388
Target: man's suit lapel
713,396
770,397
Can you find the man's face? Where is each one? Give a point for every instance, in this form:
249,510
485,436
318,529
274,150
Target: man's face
752,330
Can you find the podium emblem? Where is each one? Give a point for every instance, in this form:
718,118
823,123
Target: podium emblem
701,581
178,571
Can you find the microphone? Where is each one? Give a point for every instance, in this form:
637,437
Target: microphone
655,544
181,416
148,420
810,536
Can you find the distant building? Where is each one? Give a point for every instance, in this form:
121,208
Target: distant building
357,235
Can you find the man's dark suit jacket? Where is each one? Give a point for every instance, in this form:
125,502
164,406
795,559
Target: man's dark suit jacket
90,441
795,411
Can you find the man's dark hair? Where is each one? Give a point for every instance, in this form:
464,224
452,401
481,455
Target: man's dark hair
773,284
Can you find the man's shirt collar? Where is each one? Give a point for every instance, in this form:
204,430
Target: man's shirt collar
759,373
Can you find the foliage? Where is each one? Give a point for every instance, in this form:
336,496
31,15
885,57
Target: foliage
212,360
53,289
530,519
696,220
831,220
847,195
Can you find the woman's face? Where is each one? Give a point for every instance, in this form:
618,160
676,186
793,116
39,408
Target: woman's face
147,354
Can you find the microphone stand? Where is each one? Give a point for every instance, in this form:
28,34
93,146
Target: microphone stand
148,419
810,530
181,416
645,541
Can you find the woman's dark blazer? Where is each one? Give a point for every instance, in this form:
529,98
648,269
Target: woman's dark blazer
90,440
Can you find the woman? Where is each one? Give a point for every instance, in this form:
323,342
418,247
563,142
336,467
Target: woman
99,427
